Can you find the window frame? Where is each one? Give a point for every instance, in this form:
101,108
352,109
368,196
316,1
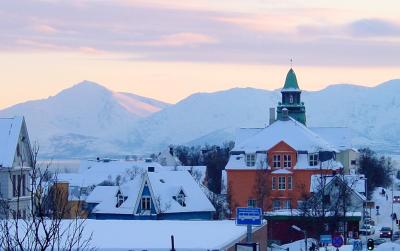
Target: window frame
313,159
276,204
290,182
276,161
251,203
281,183
287,161
250,159
145,200
274,183
287,204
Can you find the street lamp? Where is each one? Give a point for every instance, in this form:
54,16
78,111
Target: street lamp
304,232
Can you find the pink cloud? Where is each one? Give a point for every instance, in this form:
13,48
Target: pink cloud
91,50
177,40
43,28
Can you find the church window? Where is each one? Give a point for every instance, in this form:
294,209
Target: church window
250,159
276,161
291,99
287,160
313,159
282,183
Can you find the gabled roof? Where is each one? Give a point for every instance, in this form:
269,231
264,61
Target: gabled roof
10,129
163,186
292,132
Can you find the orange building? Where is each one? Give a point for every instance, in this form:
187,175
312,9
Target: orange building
271,167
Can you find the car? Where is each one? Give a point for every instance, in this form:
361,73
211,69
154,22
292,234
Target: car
396,235
396,199
367,230
386,232
379,241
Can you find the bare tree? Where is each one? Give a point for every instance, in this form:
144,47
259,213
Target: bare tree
41,226
261,187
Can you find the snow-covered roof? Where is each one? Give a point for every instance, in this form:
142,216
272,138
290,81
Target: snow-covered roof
355,181
243,134
340,137
291,132
10,129
156,235
167,184
164,186
93,172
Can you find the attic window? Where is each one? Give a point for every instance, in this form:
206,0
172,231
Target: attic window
180,198
120,199
313,159
250,159
162,181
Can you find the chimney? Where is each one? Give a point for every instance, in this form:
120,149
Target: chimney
285,114
271,115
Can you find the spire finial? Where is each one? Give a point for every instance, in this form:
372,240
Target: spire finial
291,62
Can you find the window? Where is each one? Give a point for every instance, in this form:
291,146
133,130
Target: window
313,159
146,203
300,204
290,182
353,162
276,204
282,183
251,203
291,99
120,199
287,160
273,183
180,198
250,159
288,204
276,161
19,185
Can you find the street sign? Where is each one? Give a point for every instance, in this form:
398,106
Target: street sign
337,241
357,245
325,239
248,216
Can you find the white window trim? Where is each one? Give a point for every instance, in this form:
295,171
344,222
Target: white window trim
149,203
291,182
274,183
283,178
287,161
250,159
276,162
313,159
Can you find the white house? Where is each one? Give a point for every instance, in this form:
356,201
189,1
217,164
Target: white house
15,164
173,195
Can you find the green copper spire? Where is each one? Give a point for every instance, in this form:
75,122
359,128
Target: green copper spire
291,100
291,82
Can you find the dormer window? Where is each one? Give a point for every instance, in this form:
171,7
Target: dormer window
287,161
313,159
251,159
120,199
276,161
145,203
180,198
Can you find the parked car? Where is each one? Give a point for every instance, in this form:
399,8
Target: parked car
386,232
396,199
396,235
379,241
367,230
369,221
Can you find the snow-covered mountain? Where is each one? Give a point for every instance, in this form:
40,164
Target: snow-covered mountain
371,112
84,119
88,119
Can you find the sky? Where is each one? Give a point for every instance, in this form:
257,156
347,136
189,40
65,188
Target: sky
169,49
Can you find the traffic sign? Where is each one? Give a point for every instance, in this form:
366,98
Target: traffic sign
357,245
325,239
337,241
248,216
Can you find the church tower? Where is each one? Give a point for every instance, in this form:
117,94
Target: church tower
291,99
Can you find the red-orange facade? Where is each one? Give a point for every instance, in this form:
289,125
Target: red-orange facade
280,186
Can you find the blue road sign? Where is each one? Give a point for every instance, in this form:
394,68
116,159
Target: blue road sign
337,241
357,245
325,239
248,216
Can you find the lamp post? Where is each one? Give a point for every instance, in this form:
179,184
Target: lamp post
304,232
